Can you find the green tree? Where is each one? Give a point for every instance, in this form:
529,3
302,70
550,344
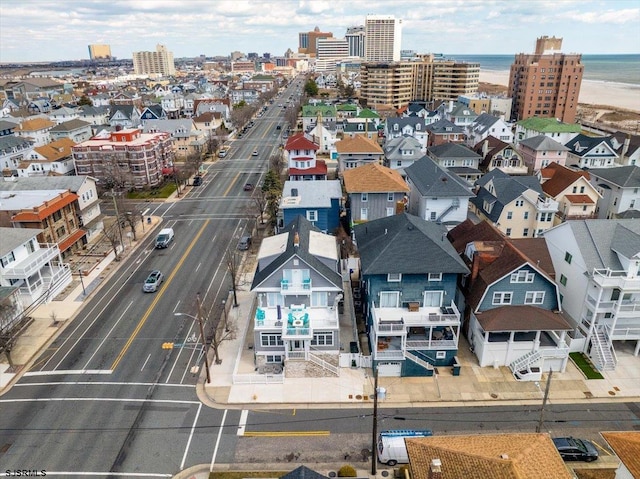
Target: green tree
272,189
311,87
84,100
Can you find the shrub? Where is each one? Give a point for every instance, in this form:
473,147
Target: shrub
347,471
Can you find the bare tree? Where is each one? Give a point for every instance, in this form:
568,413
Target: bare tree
113,234
116,173
260,201
232,261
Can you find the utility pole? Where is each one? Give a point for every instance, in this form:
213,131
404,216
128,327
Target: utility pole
374,436
544,401
204,341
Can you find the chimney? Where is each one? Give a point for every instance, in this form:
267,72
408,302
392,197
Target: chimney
435,469
485,148
296,240
475,266
625,148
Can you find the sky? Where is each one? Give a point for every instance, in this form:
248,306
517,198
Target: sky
39,30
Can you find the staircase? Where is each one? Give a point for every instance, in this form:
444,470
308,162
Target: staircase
455,204
527,367
324,364
602,354
419,361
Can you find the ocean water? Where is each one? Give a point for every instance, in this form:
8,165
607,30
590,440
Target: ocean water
605,68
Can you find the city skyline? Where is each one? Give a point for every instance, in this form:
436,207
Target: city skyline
64,30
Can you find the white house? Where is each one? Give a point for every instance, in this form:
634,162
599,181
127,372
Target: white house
620,190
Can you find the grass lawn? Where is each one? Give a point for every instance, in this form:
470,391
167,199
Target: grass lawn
585,366
163,192
247,474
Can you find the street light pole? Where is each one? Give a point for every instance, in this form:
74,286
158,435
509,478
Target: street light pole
224,310
374,435
84,293
204,341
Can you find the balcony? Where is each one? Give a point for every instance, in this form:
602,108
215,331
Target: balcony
607,278
290,287
270,319
33,263
397,320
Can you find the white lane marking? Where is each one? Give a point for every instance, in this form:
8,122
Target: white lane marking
198,267
243,422
175,361
107,335
215,449
193,428
161,401
106,474
101,383
145,362
67,371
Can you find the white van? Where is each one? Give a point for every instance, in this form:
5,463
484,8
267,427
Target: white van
391,447
164,238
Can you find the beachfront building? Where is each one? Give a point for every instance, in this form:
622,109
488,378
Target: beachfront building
541,151
620,191
546,83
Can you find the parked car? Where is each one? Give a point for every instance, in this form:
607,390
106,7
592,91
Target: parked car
574,449
248,187
197,180
279,127
153,281
244,243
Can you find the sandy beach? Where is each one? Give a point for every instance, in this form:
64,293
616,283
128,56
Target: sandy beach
591,92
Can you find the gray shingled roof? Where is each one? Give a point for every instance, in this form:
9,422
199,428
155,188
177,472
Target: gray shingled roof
9,142
582,145
484,122
432,180
303,472
452,150
543,143
622,176
394,146
69,125
443,126
625,241
71,183
14,237
406,244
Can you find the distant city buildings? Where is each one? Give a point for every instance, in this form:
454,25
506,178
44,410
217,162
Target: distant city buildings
355,37
546,83
100,52
383,37
159,62
308,42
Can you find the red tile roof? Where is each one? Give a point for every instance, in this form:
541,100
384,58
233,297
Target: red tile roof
559,178
580,199
521,318
319,169
300,142
70,240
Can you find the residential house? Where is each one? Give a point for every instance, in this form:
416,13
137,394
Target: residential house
458,159
590,152
95,115
485,126
597,264
619,188
7,128
437,194
503,156
627,147
458,113
87,205
498,456
409,274
357,151
444,131
298,286
366,127
320,206
324,137
76,130
401,152
412,126
301,159
52,159
11,307
63,114
208,122
35,268
13,151
550,127
374,191
512,307
346,110
52,211
314,114
152,112
40,106
37,129
124,116
540,151
187,139
576,197
625,445
515,205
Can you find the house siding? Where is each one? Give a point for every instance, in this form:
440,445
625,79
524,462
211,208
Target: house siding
412,287
376,205
519,291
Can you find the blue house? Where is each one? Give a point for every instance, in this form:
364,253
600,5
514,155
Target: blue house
513,315
409,275
320,205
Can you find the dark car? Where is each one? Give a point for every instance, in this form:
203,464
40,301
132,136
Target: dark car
279,127
248,187
197,180
574,449
244,243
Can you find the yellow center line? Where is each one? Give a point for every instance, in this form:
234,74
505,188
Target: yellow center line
157,298
285,433
231,185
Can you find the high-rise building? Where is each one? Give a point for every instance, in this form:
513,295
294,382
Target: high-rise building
308,42
332,48
546,83
303,41
425,78
100,52
159,62
355,37
383,37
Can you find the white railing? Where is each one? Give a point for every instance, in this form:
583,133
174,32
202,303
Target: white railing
258,378
34,262
428,366
296,355
418,344
393,354
611,278
324,364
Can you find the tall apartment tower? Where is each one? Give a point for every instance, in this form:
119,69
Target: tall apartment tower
355,36
546,83
308,42
159,62
99,52
383,35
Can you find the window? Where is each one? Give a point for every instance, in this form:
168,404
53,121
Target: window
389,299
525,232
270,339
508,232
364,197
509,215
441,354
563,280
432,299
519,202
433,216
390,211
274,299
534,297
394,277
10,258
319,299
502,298
522,276
389,196
568,257
364,214
526,215
273,358
322,339
435,276
312,215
